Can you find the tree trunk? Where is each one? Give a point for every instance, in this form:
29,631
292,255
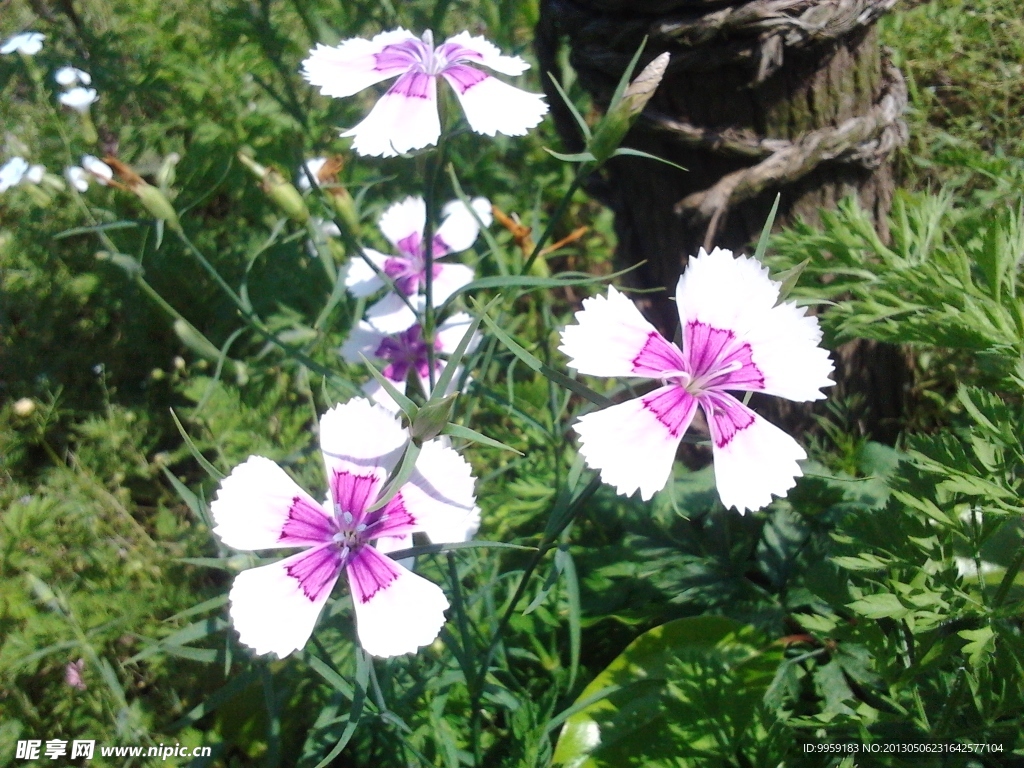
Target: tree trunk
761,97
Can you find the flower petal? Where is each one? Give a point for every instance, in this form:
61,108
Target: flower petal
612,338
392,315
258,506
754,459
735,294
12,172
466,47
634,444
274,607
451,331
459,228
396,610
404,219
359,435
355,64
440,495
359,277
403,119
492,106
363,341
448,279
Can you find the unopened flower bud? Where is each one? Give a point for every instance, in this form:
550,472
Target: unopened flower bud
152,198
432,418
279,189
623,113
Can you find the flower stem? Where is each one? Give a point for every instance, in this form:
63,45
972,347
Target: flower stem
577,181
430,202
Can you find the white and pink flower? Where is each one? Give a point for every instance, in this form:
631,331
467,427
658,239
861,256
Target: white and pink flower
406,117
403,224
275,607
405,352
736,337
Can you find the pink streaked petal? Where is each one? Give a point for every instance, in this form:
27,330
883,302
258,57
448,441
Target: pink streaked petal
394,519
396,610
255,504
353,492
611,338
440,494
274,607
492,106
360,278
466,47
460,225
355,64
449,279
714,349
359,437
392,315
736,294
402,219
754,459
634,444
403,119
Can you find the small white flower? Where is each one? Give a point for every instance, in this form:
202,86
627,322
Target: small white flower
69,76
35,174
28,43
406,117
736,337
12,172
79,99
313,166
77,177
100,171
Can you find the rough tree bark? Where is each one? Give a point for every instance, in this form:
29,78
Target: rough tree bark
761,97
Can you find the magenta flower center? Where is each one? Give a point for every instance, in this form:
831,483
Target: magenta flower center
404,351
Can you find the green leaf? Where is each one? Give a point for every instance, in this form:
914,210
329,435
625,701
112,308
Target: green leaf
690,688
536,365
981,644
211,470
766,230
578,157
884,605
631,152
457,430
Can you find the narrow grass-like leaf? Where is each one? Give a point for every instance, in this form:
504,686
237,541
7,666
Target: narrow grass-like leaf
576,157
536,365
191,500
355,713
95,228
436,549
566,566
211,470
766,230
408,406
457,430
399,478
584,128
195,631
631,152
212,702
